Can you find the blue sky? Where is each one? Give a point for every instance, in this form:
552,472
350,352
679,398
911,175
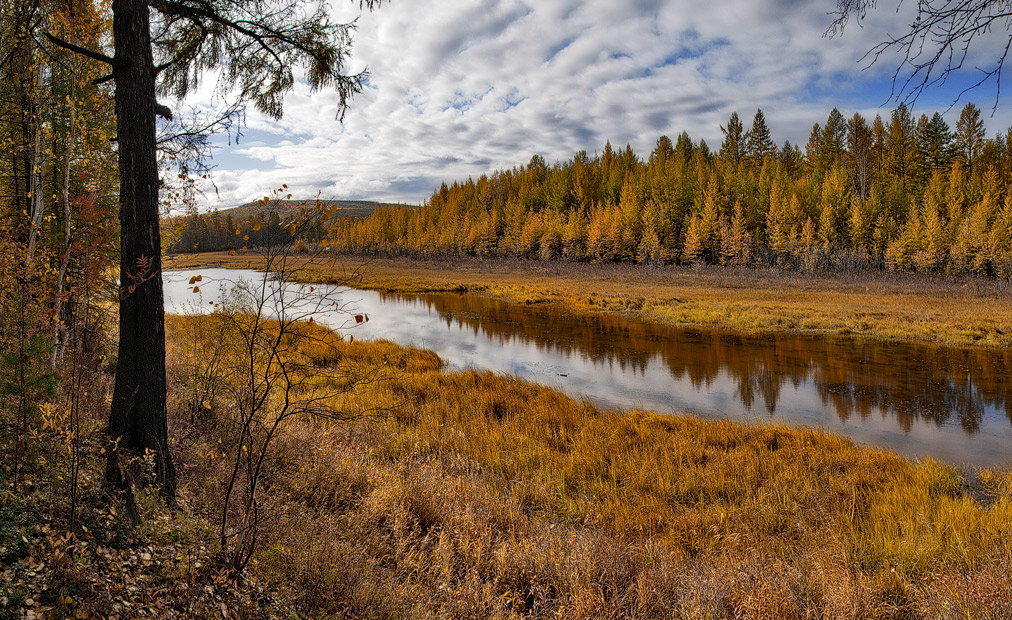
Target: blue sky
461,88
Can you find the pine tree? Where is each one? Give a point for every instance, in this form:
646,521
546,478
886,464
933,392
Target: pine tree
934,142
759,140
791,158
684,149
732,149
833,140
969,138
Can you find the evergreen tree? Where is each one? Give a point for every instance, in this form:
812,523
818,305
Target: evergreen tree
791,158
684,147
759,140
732,149
969,138
833,141
934,142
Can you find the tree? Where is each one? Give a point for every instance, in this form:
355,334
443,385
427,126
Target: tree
833,142
900,142
859,154
733,147
969,139
254,45
938,42
934,142
759,140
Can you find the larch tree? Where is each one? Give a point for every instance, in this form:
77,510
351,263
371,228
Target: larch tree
166,46
859,154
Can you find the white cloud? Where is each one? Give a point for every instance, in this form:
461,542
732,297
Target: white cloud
461,88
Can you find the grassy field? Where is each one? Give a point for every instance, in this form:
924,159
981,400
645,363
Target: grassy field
472,495
972,312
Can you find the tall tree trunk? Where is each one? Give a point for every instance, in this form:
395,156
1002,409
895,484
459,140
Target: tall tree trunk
60,333
137,419
38,170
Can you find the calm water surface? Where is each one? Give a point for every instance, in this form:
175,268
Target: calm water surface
919,400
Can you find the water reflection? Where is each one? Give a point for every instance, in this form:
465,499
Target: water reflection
913,383
920,400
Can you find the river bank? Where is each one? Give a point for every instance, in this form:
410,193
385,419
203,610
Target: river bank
880,305
469,494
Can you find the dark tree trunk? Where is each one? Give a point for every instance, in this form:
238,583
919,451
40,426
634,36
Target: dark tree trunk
137,419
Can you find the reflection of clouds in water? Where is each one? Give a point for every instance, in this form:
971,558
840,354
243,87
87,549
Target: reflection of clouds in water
917,400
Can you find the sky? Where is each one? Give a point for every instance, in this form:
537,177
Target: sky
463,88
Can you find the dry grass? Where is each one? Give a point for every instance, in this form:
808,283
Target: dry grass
481,496
971,312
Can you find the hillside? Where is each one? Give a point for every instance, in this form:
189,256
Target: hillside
249,224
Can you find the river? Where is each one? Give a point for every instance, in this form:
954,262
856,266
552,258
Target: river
918,400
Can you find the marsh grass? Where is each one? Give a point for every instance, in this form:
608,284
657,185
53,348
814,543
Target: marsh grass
473,495
968,312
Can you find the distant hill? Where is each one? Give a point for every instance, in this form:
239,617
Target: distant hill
286,208
249,224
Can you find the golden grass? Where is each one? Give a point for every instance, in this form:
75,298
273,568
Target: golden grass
973,312
481,496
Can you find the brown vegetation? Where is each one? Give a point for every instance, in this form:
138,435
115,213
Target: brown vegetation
951,311
482,496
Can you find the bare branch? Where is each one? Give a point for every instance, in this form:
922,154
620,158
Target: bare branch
80,50
938,43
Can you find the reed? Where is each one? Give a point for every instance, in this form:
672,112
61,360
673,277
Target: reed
474,495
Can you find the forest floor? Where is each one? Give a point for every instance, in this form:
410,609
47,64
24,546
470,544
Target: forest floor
970,312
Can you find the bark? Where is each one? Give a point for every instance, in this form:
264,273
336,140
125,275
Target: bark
137,419
37,174
59,330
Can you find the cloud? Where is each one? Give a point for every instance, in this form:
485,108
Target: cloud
458,89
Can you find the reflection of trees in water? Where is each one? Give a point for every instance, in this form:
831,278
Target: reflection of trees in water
913,383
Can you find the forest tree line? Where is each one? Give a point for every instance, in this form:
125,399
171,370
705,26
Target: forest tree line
219,230
904,193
